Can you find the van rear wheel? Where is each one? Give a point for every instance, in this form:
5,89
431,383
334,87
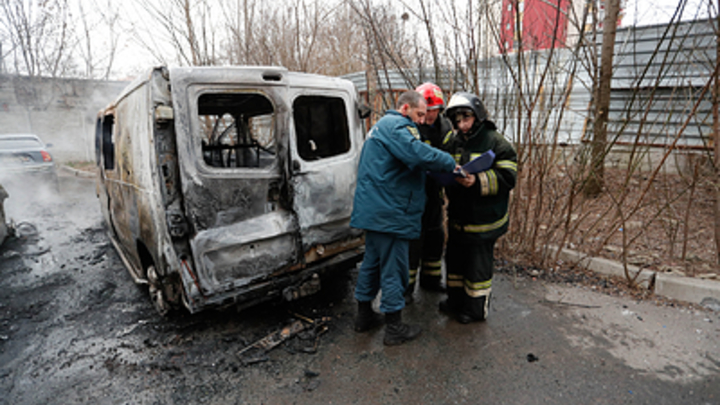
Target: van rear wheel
156,292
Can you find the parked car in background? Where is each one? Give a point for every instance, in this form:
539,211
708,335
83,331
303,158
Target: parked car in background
25,161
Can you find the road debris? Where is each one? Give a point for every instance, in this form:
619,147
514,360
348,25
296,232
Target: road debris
311,374
304,327
24,229
570,304
711,303
131,328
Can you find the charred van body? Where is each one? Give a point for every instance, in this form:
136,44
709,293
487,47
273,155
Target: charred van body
230,185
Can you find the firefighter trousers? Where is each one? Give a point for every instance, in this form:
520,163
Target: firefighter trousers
426,254
470,269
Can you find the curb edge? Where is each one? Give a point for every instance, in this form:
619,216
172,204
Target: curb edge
687,289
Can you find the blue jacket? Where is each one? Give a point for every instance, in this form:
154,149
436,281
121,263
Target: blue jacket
390,193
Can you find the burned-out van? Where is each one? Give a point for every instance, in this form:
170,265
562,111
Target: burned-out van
230,185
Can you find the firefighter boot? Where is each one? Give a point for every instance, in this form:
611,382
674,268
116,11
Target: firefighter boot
448,307
366,319
476,312
397,332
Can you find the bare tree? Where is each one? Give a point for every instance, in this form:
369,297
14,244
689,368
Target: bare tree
99,38
716,131
595,183
425,15
343,49
387,48
39,35
187,26
239,20
301,35
87,50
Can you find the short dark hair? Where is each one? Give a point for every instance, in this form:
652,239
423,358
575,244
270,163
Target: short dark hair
411,98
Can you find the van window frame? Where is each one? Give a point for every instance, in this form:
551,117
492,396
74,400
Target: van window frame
306,148
197,128
108,142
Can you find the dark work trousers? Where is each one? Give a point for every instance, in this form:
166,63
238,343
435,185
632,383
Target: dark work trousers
384,267
469,275
426,254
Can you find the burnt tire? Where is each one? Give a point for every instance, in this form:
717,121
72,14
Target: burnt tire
157,296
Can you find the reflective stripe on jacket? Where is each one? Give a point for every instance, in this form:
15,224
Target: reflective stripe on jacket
481,211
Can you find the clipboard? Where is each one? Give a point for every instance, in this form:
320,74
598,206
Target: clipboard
477,165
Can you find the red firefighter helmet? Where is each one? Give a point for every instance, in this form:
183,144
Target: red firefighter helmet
433,96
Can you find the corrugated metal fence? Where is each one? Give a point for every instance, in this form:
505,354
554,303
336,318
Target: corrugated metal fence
662,83
660,73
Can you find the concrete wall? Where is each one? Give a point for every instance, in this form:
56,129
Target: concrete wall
61,111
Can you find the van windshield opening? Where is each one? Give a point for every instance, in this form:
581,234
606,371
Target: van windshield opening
237,130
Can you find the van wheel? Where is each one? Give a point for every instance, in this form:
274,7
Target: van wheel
156,292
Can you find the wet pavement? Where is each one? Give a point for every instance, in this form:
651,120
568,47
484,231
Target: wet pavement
75,329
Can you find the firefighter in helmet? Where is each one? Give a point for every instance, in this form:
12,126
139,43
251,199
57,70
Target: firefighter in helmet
426,252
477,208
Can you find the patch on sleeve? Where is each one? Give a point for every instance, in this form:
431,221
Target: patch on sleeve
414,132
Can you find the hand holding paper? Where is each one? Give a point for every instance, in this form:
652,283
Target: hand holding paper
466,181
459,172
477,165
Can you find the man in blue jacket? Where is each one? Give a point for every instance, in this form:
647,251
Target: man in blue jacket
389,203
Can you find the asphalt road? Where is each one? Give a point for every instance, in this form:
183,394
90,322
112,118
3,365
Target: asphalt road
75,329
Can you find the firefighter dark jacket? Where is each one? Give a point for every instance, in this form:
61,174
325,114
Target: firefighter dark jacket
481,211
434,135
390,193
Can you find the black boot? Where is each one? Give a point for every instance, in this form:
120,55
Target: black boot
397,332
477,313
366,319
448,307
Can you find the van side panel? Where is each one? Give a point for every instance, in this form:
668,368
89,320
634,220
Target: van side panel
135,209
127,183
